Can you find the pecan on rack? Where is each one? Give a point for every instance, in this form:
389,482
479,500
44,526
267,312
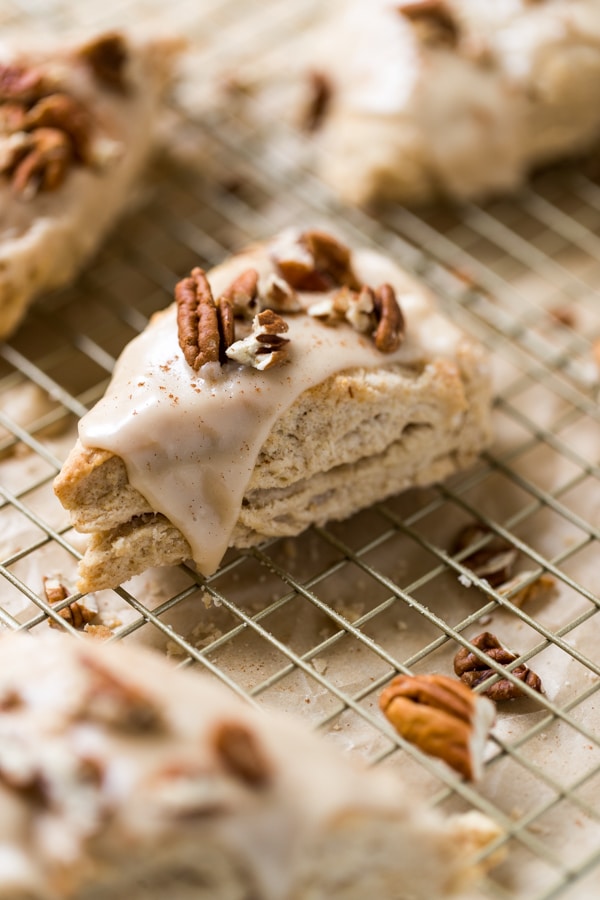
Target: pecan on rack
494,561
442,717
473,671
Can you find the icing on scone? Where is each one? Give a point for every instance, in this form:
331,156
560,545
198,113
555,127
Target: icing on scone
190,439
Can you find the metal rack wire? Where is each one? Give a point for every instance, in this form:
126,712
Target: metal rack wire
317,625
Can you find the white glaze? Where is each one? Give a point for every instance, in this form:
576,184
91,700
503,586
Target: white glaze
190,441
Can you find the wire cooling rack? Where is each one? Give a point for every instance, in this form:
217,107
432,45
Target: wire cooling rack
319,624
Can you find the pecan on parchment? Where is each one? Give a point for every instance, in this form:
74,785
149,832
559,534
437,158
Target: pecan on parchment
77,614
473,671
494,561
442,717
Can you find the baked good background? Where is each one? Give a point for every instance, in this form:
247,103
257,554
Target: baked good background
316,625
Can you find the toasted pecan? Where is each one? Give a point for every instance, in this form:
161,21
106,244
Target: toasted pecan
197,322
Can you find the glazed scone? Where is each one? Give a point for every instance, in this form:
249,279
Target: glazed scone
76,128
121,776
369,391
453,97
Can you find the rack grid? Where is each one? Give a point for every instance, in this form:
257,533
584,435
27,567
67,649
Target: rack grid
318,625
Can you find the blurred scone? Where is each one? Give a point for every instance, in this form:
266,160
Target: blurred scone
76,128
121,776
337,384
417,98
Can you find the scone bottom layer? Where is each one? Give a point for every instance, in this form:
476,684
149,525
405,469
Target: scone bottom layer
295,384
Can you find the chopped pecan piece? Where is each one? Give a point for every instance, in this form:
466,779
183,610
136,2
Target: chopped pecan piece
441,717
494,562
242,293
316,261
238,749
107,58
390,328
432,20
541,588
12,118
197,321
280,296
345,304
19,83
62,112
45,164
473,671
320,92
264,347
119,703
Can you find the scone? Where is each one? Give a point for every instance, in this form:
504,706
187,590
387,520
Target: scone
121,776
76,129
415,98
295,384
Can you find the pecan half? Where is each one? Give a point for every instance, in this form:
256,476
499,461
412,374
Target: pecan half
315,261
473,671
264,347
77,614
241,754
441,717
432,20
197,322
107,57
45,164
494,562
390,329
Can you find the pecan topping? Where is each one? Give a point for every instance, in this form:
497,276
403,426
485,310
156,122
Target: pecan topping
432,20
197,321
473,671
264,347
20,84
320,92
441,717
494,562
119,703
107,58
280,296
377,312
45,163
59,111
241,754
316,261
390,329
242,293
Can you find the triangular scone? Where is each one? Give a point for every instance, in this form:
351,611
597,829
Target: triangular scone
349,387
76,129
414,98
121,776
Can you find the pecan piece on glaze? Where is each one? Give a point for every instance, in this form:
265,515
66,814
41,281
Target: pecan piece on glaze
357,308
390,328
473,671
107,58
316,261
242,293
119,703
241,754
45,165
494,562
433,21
280,296
320,93
66,114
19,83
442,717
264,347
197,321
